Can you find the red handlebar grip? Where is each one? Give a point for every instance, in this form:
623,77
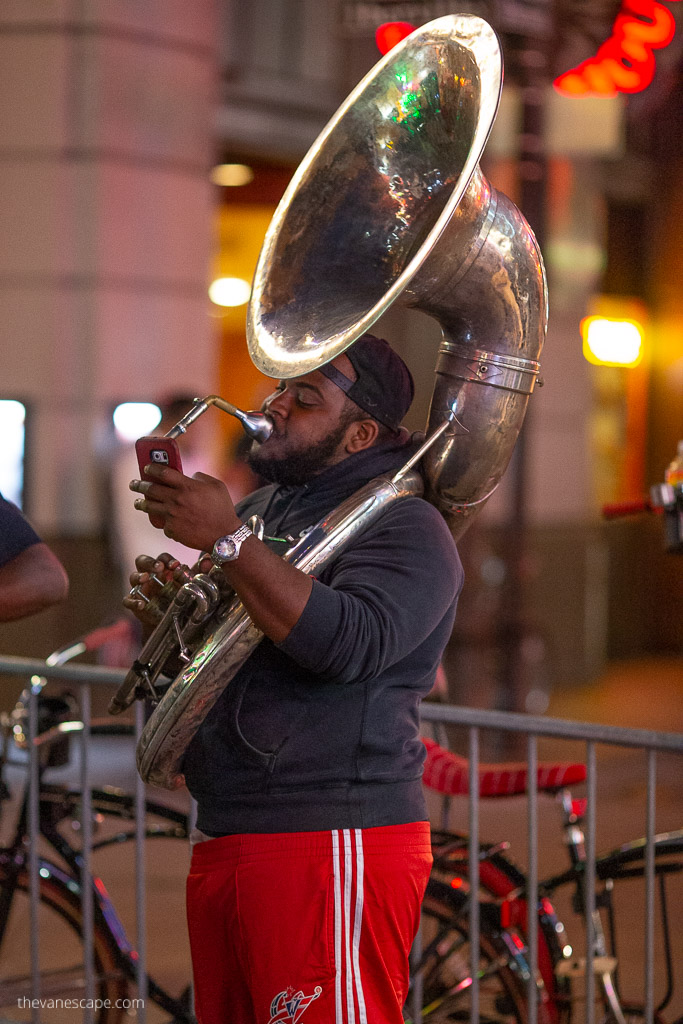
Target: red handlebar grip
119,630
626,508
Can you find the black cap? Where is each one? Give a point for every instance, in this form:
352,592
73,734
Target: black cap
384,386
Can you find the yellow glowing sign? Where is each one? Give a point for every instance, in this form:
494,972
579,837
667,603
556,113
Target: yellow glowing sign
612,341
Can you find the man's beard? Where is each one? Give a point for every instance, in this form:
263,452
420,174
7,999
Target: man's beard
296,467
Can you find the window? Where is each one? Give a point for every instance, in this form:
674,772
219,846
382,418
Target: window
13,434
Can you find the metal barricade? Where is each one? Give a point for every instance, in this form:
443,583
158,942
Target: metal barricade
534,727
473,720
86,676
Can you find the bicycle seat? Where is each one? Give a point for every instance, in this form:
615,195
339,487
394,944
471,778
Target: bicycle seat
448,773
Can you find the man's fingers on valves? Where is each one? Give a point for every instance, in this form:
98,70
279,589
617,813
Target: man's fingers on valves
151,575
167,562
149,563
160,569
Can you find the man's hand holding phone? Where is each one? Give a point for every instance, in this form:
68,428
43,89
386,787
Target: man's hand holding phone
192,510
157,451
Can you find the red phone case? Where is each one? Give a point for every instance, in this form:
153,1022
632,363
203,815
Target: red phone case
161,451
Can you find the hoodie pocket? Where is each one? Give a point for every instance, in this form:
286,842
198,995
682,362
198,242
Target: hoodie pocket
264,759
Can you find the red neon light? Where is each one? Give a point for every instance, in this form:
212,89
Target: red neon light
391,33
625,62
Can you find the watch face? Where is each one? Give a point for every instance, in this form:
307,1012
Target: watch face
226,548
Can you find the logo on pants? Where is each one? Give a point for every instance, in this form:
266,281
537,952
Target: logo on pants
288,1006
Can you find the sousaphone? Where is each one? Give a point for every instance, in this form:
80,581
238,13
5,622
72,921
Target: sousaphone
388,207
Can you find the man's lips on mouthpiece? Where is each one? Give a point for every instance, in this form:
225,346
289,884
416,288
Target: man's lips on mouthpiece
276,435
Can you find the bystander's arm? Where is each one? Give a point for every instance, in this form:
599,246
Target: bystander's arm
31,581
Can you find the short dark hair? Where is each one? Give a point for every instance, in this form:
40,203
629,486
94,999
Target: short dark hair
352,413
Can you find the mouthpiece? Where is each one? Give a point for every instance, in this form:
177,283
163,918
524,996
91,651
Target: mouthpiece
257,425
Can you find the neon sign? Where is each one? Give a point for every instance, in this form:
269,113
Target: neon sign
625,62
391,33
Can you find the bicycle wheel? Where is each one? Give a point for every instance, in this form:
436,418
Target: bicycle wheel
62,971
634,1014
444,968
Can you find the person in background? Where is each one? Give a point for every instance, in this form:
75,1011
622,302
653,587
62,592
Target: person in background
31,576
237,474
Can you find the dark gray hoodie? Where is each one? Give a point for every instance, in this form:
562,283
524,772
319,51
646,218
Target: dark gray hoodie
321,731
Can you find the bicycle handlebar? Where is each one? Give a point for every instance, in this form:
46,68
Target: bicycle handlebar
628,508
92,641
665,500
14,723
119,630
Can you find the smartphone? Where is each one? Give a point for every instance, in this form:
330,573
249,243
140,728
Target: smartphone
160,451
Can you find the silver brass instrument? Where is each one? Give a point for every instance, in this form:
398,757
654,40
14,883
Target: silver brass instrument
389,205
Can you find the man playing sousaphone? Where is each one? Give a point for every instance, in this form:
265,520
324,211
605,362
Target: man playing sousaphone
313,851
303,750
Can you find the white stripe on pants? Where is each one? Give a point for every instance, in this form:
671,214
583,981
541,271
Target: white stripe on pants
348,926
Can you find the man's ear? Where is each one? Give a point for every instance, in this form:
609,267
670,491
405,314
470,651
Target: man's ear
361,434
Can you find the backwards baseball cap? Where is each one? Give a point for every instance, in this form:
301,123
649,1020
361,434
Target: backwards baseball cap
384,386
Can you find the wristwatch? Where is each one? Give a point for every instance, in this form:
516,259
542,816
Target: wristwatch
227,549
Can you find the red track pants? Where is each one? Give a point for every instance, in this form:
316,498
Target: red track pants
308,926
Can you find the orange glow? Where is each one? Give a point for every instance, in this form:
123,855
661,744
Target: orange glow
239,229
457,883
625,62
619,414
612,341
391,33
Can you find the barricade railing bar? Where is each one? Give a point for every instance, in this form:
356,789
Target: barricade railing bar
11,665
473,720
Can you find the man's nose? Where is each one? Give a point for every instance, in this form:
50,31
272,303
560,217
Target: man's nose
277,404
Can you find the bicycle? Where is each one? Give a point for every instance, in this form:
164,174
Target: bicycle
62,977
443,972
504,970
